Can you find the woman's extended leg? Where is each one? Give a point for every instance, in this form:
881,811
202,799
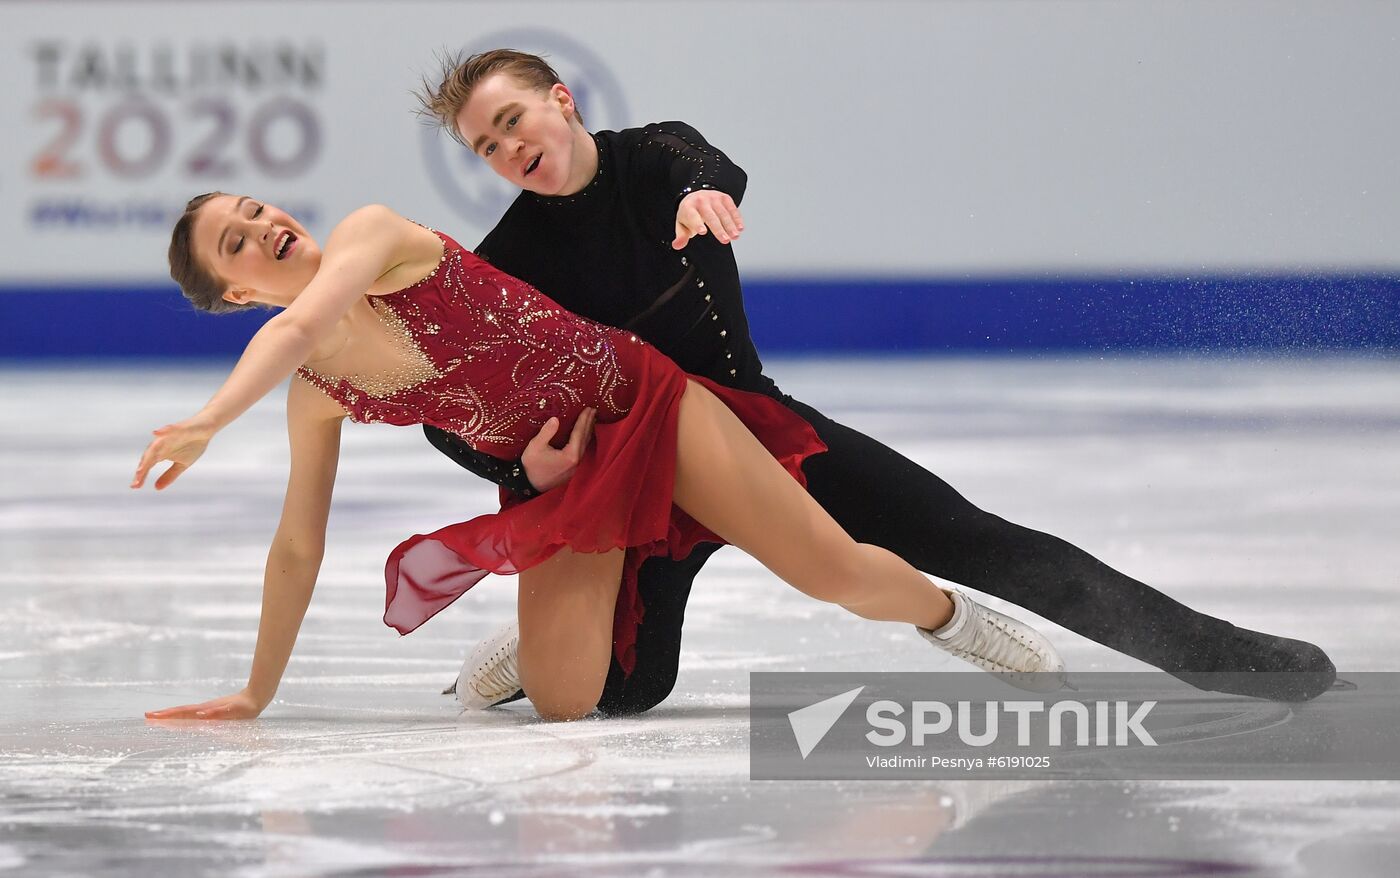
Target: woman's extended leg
566,630
727,481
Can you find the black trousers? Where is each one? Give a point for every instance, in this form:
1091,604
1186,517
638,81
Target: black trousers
880,496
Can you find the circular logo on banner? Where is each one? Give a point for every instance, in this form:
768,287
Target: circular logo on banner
464,180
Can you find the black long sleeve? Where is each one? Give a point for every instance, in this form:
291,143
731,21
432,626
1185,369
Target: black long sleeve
509,474
677,153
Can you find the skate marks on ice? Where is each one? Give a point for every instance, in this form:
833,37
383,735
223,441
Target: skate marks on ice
1244,487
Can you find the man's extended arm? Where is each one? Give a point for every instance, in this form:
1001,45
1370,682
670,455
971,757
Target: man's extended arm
690,163
703,187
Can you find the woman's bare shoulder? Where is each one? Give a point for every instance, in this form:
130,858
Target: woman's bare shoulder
409,250
372,220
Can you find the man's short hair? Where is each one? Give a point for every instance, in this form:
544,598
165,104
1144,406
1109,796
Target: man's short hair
461,75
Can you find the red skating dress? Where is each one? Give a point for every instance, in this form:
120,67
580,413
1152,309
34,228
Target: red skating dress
495,359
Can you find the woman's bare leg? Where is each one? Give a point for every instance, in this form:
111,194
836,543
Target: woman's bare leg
727,481
566,631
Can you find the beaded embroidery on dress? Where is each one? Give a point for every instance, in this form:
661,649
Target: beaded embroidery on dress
495,359
490,358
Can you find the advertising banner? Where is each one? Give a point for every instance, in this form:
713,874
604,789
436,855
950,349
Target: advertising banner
931,163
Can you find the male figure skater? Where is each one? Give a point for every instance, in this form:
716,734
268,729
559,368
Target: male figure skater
632,228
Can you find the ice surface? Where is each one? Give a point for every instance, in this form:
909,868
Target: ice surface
1265,491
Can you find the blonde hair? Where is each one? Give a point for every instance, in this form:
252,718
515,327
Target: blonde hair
460,76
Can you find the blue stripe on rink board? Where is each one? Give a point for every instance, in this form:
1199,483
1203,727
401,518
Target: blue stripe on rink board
1123,313
793,315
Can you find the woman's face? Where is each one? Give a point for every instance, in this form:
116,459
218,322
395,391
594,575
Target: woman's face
259,251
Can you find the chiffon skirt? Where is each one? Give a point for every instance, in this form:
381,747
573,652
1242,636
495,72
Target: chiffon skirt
620,496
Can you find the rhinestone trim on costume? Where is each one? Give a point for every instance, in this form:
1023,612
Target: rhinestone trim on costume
529,359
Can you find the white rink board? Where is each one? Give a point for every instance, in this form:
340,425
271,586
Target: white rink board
880,137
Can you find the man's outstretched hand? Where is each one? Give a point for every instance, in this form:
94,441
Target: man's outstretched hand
708,210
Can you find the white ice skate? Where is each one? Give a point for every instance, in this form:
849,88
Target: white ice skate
490,673
1014,651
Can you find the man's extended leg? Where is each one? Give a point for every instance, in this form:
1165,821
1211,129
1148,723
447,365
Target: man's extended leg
882,497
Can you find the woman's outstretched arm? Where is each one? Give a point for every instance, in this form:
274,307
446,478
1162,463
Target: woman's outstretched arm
313,423
363,247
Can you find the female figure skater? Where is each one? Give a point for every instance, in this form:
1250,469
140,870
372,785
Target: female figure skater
399,324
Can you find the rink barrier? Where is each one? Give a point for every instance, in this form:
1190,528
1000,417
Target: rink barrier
1007,315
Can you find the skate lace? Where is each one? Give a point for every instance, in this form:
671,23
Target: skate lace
991,643
497,677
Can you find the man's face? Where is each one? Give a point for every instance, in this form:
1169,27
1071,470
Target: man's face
521,132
